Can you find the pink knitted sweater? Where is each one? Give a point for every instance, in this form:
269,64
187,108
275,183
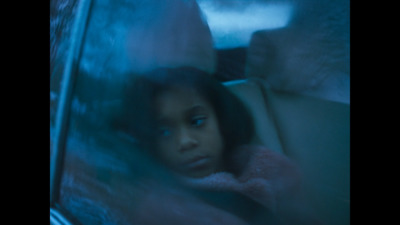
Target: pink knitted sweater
267,177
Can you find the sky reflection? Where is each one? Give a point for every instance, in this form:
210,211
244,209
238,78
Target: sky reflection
232,26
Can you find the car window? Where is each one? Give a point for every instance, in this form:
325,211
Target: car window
98,166
97,46
89,155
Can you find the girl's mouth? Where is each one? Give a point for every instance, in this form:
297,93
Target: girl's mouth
197,162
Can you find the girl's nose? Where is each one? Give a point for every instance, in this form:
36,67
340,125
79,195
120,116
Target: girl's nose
187,141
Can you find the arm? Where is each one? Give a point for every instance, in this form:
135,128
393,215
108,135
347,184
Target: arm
268,178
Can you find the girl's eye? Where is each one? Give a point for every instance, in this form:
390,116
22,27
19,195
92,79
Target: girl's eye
198,121
164,132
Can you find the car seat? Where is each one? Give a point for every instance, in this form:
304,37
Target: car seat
314,132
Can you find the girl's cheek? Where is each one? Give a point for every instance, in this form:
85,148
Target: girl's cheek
166,151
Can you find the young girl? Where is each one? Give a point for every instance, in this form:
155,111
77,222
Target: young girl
195,127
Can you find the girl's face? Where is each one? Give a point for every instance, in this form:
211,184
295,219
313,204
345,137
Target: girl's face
189,139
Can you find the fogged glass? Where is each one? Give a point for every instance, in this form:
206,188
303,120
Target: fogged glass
104,170
98,161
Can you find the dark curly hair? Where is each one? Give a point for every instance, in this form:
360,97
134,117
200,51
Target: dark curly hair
137,117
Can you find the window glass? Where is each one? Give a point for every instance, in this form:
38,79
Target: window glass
61,19
101,165
96,161
108,176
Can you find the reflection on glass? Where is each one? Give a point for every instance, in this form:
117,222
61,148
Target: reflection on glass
155,138
233,22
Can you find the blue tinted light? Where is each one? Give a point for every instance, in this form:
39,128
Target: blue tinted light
232,26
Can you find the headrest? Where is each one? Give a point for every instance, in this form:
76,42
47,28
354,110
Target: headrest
171,34
311,54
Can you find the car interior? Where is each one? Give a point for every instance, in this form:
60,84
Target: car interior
294,80
314,132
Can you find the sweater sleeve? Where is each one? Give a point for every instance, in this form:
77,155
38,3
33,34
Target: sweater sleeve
264,176
267,177
280,172
274,180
